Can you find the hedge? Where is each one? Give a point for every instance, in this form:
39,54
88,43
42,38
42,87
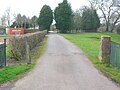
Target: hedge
18,44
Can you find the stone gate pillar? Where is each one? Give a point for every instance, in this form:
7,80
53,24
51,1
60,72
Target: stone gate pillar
105,49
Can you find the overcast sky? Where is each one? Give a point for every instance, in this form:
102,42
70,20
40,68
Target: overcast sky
33,7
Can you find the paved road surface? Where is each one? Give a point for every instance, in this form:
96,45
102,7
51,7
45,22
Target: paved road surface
63,67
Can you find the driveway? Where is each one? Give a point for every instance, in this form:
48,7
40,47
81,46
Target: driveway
63,66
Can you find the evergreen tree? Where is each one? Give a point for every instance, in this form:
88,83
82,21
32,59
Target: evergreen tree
90,20
63,17
97,20
45,18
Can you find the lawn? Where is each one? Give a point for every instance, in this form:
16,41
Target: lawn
90,44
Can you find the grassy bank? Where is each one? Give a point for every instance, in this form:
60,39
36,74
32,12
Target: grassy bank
13,71
90,44
38,50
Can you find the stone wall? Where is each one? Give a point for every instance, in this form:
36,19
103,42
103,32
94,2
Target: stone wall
18,44
30,30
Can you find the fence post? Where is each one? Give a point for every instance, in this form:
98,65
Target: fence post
5,51
28,53
105,49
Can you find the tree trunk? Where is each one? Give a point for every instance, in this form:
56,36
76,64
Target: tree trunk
112,28
107,27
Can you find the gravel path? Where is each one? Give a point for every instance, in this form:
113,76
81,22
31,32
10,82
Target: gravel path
63,66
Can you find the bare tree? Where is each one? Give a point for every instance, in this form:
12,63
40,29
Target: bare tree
115,19
7,12
3,21
93,4
110,12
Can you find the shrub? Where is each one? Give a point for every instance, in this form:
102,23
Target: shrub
18,44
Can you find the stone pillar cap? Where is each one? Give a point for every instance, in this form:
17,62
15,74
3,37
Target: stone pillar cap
105,36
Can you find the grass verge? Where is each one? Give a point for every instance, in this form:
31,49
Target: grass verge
90,44
11,72
38,50
17,71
